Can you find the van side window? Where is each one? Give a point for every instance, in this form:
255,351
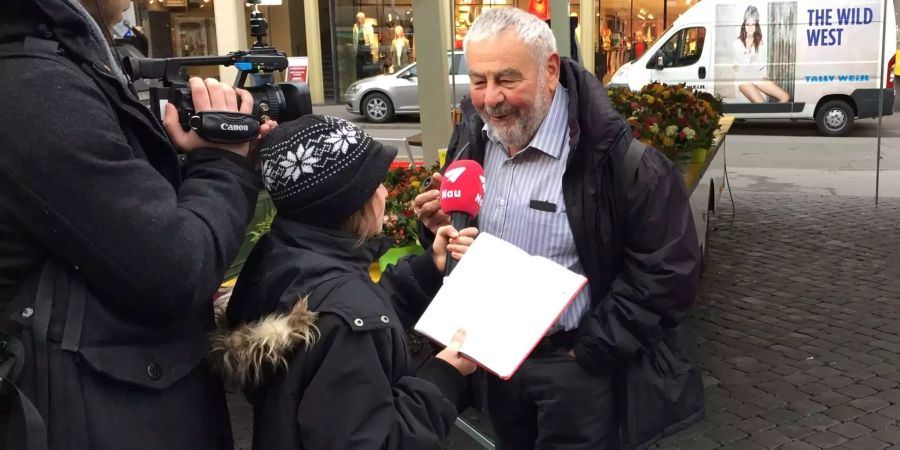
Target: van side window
683,48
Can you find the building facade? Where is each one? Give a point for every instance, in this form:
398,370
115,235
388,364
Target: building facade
361,38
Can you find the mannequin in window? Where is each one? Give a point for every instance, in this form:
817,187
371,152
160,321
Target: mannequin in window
366,44
608,50
400,50
639,45
461,30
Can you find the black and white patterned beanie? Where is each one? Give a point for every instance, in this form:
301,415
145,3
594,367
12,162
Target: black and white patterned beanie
319,170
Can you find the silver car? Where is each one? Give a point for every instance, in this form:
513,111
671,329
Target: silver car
379,98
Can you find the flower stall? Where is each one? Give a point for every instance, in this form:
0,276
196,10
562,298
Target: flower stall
689,128
404,183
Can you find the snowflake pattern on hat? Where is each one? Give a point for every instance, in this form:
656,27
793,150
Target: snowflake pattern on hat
309,156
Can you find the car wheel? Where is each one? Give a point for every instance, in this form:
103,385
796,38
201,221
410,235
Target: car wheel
377,108
835,118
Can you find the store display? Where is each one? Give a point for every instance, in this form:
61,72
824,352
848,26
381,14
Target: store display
365,41
401,52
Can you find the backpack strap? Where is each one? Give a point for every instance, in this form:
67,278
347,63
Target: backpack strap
630,162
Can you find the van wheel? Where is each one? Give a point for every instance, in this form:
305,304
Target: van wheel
377,108
835,118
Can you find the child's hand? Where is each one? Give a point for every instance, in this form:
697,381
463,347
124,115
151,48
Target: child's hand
448,240
451,355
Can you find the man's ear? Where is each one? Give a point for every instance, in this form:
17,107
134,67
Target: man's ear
553,69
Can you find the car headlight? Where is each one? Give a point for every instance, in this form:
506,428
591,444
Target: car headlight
354,88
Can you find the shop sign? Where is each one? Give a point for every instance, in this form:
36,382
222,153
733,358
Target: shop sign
298,67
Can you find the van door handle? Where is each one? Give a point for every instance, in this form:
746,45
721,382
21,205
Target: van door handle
702,73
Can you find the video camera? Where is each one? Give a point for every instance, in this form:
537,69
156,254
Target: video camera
281,102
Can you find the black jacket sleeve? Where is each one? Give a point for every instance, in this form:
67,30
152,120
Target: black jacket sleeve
72,179
659,275
411,284
351,402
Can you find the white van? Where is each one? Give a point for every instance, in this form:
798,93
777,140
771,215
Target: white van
779,59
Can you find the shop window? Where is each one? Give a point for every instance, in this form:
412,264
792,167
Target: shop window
466,11
675,8
683,49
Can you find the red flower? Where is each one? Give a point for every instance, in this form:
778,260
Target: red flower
635,106
637,134
682,135
651,120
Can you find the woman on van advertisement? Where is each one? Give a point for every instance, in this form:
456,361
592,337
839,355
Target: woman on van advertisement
750,64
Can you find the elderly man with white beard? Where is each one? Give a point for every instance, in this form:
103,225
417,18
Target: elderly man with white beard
566,180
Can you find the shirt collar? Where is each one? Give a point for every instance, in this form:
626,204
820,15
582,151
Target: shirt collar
550,136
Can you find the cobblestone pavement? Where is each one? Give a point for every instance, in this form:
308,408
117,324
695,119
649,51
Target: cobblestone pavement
796,328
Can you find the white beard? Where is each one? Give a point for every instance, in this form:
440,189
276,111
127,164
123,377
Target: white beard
520,131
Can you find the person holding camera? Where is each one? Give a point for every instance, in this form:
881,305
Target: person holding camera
110,250
319,349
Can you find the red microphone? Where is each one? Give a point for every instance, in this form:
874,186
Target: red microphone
462,192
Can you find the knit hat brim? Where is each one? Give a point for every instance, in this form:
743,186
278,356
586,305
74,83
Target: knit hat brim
329,211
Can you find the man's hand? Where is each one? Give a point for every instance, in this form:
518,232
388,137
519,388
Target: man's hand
209,95
449,241
428,206
451,355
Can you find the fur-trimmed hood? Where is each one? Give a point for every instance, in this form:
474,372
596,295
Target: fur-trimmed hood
245,353
288,275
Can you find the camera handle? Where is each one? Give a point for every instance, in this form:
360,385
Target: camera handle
225,126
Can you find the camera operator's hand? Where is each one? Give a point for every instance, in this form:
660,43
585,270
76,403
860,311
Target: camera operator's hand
208,95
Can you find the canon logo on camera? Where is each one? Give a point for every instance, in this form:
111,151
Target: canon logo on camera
230,127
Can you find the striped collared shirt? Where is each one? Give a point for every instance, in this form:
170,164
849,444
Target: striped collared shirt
523,201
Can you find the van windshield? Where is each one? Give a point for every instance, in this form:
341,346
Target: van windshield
682,49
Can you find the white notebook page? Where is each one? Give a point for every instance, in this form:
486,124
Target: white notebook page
504,298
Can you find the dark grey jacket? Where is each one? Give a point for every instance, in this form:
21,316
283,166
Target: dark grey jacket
89,180
640,253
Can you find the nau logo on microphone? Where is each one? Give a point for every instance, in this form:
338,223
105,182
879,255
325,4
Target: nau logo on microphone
451,193
454,174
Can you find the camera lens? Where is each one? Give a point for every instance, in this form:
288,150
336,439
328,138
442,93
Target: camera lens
282,102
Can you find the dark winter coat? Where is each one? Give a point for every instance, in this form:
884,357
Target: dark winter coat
321,350
138,243
640,253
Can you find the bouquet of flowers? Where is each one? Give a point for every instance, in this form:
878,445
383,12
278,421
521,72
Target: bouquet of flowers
403,185
672,118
